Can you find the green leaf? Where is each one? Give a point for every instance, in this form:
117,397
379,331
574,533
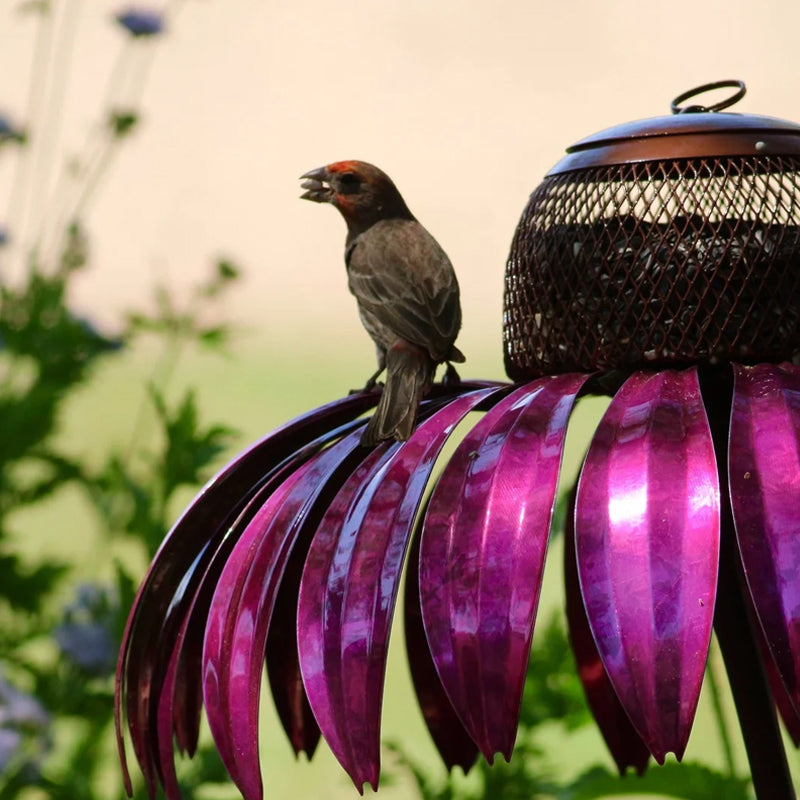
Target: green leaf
189,448
214,337
227,270
553,690
26,588
688,780
122,123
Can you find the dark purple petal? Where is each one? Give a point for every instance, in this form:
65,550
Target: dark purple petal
282,659
764,468
349,588
452,741
783,701
164,722
167,592
626,746
647,528
319,639
483,546
243,604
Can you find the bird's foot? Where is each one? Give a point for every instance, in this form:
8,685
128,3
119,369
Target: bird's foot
369,386
451,376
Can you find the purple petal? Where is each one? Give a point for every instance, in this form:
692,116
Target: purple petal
349,588
454,744
168,588
242,606
624,743
647,528
483,546
777,688
164,722
764,468
282,659
318,641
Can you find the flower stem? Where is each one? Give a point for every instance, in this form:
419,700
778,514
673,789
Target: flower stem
712,682
49,132
20,195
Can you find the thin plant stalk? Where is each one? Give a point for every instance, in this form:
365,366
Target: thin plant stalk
49,129
723,726
35,110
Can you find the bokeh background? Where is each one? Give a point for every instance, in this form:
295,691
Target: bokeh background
465,104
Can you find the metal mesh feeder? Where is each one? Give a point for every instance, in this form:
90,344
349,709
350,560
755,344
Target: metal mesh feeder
662,242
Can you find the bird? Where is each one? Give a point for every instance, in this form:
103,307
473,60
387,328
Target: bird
405,287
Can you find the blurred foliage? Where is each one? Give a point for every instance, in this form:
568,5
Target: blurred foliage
57,658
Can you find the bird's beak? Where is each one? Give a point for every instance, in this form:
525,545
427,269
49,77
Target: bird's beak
316,185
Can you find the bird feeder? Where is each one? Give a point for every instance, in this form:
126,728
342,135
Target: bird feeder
662,242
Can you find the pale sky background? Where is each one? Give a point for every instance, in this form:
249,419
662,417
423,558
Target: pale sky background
465,104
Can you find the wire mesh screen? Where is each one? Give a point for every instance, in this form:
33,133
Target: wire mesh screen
653,264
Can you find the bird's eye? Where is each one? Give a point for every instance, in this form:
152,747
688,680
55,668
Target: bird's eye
349,182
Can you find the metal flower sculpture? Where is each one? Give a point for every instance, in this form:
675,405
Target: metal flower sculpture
292,555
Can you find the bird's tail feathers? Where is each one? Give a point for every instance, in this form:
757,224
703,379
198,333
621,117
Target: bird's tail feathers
409,374
456,355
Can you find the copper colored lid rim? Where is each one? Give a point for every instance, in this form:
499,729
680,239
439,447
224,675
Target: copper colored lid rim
753,143
693,132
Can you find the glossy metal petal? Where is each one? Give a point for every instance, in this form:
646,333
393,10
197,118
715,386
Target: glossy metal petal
165,721
764,471
483,546
783,701
454,744
647,528
242,608
282,660
169,586
626,746
349,587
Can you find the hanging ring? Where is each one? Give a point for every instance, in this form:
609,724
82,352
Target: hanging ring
675,106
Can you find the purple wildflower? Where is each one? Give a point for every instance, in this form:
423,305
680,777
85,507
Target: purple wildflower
140,22
85,636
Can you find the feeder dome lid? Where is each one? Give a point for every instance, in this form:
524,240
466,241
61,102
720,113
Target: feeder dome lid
692,131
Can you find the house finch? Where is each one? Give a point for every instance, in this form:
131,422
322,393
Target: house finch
405,286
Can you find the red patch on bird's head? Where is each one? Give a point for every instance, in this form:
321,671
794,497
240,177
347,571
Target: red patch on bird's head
344,166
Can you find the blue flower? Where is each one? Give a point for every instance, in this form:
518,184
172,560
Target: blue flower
140,22
8,132
85,636
22,718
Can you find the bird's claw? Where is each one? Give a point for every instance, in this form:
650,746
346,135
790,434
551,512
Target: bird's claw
369,386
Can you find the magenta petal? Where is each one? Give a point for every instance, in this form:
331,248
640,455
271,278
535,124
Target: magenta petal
165,717
624,743
242,606
764,467
777,688
483,546
168,588
647,528
454,744
283,662
349,588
